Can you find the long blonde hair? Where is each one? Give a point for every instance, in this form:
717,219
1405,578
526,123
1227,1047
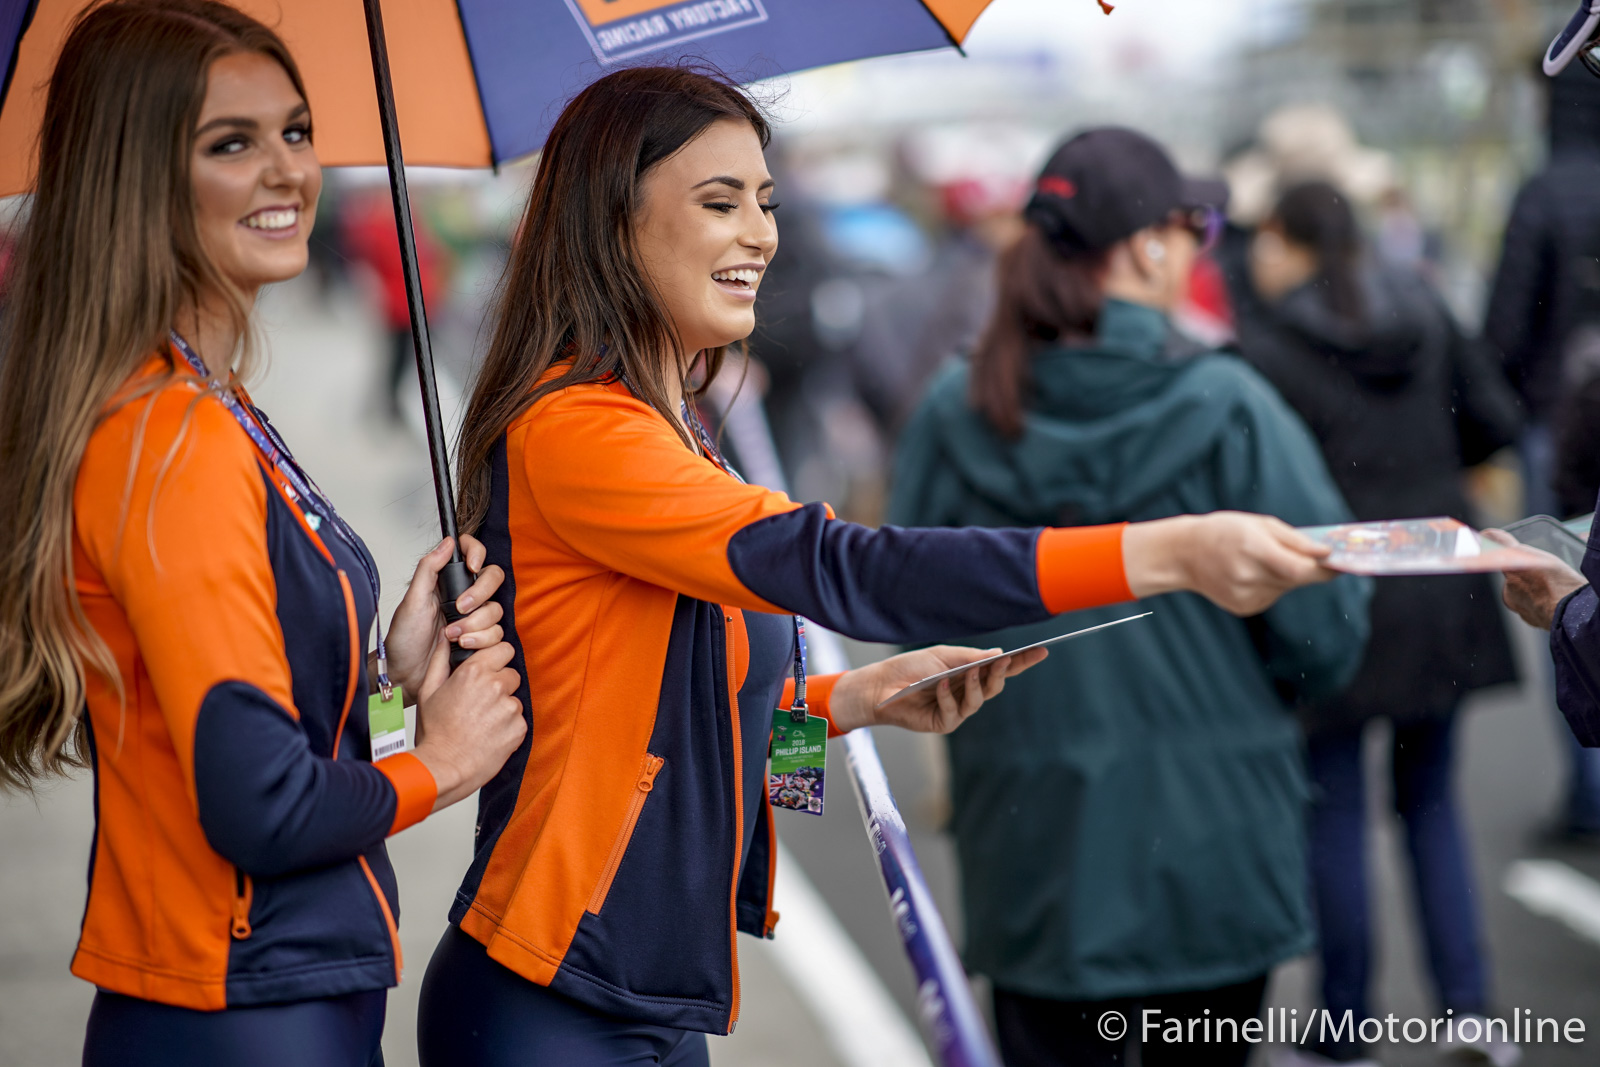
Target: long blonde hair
108,257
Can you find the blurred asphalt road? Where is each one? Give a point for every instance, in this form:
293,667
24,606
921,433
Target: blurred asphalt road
321,390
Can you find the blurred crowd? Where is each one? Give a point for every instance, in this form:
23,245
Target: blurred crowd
879,327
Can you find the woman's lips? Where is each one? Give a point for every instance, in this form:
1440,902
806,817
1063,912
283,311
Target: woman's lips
273,222
738,281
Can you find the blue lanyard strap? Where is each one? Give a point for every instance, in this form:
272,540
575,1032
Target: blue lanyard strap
319,510
797,707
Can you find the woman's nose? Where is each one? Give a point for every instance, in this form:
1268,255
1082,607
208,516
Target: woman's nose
286,169
761,233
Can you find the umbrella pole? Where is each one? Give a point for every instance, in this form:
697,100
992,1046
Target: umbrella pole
455,578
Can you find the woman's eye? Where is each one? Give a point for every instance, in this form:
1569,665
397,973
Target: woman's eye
770,206
297,134
722,207
228,146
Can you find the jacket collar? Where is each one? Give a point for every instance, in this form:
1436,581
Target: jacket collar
1132,329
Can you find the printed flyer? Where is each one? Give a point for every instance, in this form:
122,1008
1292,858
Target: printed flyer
1416,546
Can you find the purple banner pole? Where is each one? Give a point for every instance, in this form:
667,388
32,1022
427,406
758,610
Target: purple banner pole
946,1010
945,1007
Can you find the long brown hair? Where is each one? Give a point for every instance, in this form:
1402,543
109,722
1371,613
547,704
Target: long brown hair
108,258
1046,296
573,289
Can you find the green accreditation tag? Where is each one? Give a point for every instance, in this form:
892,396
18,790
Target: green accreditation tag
799,754
387,721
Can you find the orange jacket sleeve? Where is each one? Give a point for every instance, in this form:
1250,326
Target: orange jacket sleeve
171,509
614,482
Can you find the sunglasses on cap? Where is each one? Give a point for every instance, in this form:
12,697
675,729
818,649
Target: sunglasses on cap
1204,222
1579,39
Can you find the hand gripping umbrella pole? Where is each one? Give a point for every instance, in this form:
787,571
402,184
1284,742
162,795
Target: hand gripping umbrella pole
455,578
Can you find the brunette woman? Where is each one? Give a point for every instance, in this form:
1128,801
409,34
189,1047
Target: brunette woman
651,594
181,609
1129,818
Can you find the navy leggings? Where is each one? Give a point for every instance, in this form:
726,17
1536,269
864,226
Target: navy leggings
1441,872
477,1013
331,1032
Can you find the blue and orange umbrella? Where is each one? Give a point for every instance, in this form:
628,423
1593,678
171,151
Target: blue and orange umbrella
474,83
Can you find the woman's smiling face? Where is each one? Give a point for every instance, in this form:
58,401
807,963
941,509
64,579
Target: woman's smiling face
705,234
254,173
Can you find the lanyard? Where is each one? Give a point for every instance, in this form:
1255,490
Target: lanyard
319,510
797,707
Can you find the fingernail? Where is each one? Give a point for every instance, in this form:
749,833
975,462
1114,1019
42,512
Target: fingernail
452,632
945,684
465,602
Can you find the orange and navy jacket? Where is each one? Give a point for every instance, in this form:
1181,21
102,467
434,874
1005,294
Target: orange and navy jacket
629,838
239,822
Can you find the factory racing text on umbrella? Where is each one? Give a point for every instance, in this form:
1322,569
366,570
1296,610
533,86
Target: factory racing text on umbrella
623,30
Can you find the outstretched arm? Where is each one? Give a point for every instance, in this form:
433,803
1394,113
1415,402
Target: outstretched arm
613,482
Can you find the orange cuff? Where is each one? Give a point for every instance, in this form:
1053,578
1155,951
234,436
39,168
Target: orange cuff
819,689
414,789
1081,567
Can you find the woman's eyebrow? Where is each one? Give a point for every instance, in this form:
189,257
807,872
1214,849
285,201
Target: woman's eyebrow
237,121
229,120
731,182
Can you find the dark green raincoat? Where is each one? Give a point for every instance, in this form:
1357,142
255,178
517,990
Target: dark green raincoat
1129,814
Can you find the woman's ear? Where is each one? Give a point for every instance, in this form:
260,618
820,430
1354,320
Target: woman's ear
1148,254
1136,270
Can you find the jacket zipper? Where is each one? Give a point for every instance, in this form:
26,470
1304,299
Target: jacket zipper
772,869
356,673
738,812
244,891
388,916
647,780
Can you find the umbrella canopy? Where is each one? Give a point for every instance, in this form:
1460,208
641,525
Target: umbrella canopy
471,83
479,82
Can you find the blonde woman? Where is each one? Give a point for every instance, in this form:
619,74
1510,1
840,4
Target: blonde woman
180,607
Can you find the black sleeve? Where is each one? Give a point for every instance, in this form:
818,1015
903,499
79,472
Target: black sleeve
1517,318
268,804
1488,414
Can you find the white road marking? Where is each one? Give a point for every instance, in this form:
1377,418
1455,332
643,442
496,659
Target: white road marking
1557,891
863,1024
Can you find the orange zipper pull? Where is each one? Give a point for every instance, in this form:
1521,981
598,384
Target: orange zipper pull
647,781
244,893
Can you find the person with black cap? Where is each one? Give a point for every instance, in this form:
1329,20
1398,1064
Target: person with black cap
1130,825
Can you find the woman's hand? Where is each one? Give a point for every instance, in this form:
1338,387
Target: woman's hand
1533,594
415,627
858,693
468,722
1242,563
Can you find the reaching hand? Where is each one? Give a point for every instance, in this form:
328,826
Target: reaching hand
1533,594
939,710
1242,563
417,620
468,722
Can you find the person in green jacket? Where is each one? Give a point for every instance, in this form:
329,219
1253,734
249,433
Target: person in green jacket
1129,816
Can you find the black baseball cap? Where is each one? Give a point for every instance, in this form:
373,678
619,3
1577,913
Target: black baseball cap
1107,184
